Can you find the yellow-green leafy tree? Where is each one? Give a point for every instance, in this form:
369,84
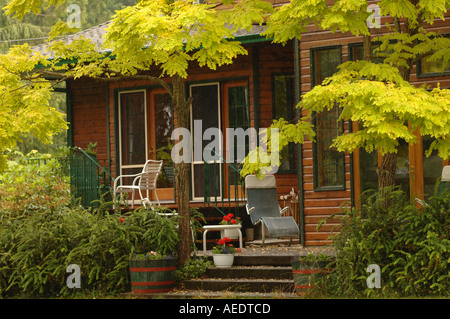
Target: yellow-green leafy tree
376,95
24,101
158,37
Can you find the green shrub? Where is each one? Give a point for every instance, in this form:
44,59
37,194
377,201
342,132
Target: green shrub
410,245
195,267
35,251
33,182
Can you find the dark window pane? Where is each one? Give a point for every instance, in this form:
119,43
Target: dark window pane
163,131
329,166
133,128
238,115
326,62
329,162
432,167
284,107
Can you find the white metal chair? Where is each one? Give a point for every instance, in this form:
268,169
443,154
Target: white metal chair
144,181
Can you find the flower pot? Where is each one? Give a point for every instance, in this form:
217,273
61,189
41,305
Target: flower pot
223,260
307,273
230,233
150,276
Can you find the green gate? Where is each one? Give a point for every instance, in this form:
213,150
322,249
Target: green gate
88,179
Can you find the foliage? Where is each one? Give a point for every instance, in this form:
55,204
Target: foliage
152,255
378,96
259,161
193,268
311,258
34,182
359,84
224,247
37,248
24,103
410,245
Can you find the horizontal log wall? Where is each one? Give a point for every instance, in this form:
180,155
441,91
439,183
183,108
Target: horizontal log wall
320,205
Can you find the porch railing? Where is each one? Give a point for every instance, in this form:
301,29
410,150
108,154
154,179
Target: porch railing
223,186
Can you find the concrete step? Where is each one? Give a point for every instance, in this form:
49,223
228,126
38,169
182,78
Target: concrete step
260,260
198,294
257,272
241,285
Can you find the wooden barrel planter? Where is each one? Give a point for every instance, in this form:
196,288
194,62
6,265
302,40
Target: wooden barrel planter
149,276
307,273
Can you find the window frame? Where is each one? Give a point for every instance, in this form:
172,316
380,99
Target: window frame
291,115
317,187
421,75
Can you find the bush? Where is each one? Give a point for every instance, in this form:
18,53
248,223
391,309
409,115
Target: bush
35,251
410,245
195,267
31,184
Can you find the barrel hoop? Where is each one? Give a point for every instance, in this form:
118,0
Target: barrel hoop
144,291
303,286
145,269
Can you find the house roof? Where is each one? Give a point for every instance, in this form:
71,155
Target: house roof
96,35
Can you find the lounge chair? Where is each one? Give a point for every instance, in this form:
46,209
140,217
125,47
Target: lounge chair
264,209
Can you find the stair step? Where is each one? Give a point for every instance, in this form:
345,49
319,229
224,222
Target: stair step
273,260
241,285
196,294
260,272
280,260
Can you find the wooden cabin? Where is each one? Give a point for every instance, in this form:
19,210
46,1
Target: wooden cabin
132,121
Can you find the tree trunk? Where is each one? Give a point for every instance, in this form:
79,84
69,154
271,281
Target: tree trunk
386,170
181,110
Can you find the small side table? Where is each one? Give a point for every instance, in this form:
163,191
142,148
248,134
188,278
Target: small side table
221,228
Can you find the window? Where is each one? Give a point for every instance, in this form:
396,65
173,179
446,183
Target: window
427,68
283,107
132,132
356,52
329,165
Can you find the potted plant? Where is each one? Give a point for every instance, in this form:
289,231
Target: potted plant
223,254
152,273
153,262
308,270
230,220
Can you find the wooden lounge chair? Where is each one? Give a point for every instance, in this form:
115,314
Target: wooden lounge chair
144,181
264,209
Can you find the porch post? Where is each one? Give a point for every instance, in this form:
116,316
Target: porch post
299,146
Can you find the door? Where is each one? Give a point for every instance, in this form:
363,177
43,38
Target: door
132,132
205,118
236,116
160,122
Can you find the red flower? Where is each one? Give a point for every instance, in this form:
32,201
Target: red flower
224,240
233,221
122,219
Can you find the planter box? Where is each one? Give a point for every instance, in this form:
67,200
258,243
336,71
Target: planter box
152,276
